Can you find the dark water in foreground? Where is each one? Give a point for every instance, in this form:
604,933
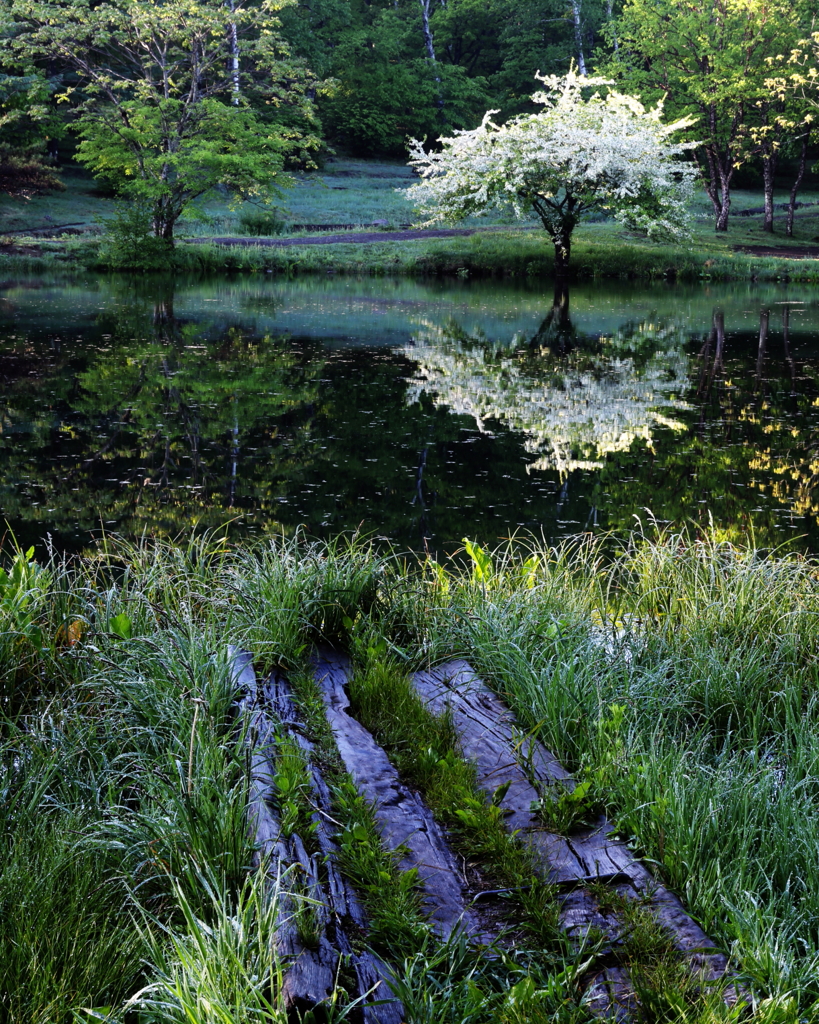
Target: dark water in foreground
424,413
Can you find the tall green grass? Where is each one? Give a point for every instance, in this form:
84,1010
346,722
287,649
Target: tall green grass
125,860
713,653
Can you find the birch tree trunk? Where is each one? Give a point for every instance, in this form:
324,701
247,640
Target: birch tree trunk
610,19
578,36
430,48
233,43
769,156
428,41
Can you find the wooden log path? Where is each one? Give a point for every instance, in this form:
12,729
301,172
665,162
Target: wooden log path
503,754
503,757
311,970
403,818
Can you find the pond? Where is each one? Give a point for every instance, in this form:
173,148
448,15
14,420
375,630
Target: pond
420,412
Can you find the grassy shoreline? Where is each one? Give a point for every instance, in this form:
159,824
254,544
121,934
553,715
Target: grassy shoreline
681,675
368,196
506,254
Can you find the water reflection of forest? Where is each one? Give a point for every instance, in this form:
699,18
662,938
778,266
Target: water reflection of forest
669,415
151,418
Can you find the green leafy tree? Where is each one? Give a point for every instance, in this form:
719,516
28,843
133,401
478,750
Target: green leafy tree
711,59
388,92
24,169
162,111
794,102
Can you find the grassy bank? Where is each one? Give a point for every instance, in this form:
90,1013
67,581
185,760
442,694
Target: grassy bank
679,678
367,195
511,254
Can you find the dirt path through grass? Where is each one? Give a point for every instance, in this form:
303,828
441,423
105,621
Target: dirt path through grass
792,252
357,237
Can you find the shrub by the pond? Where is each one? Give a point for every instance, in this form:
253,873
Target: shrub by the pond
260,222
129,242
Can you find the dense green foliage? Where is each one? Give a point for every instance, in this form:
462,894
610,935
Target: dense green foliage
716,62
27,118
227,96
165,110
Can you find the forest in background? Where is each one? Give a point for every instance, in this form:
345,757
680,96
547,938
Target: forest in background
278,87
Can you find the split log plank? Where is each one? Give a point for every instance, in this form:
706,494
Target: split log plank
309,973
492,741
403,819
348,915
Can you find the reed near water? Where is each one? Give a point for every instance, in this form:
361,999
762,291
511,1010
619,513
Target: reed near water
675,676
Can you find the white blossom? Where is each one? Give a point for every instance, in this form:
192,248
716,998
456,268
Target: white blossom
599,151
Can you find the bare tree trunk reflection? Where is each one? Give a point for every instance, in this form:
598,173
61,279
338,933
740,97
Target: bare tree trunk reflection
556,332
786,344
234,455
764,318
719,327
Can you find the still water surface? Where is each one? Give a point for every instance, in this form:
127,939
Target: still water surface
421,412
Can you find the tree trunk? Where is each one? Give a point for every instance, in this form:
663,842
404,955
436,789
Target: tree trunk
560,303
610,20
719,327
563,251
165,216
430,48
234,61
786,344
769,157
556,332
719,170
578,36
428,41
722,217
725,200
234,454
764,318
795,187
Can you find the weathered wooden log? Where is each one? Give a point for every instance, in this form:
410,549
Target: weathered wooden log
503,754
310,961
403,819
347,917
310,933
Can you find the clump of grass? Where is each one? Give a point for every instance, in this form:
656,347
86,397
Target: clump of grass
67,936
288,595
221,965
291,785
260,223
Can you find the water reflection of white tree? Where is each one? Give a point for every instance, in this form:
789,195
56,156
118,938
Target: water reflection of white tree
575,406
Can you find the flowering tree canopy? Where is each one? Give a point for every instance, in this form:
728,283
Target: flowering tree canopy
598,151
575,408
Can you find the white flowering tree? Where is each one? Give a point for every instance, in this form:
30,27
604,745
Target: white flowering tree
589,148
